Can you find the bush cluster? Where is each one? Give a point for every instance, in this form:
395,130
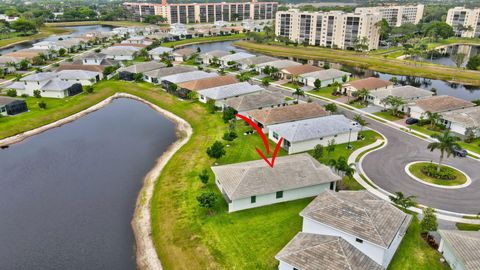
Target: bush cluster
445,173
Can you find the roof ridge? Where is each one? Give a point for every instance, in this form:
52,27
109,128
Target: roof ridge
241,179
374,225
344,253
313,246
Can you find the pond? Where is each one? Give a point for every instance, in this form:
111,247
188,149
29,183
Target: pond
67,195
466,92
76,31
453,55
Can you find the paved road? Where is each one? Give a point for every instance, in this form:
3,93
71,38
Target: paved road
386,167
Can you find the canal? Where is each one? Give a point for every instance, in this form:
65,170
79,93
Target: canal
67,195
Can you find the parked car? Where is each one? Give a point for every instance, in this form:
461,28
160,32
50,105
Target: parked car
459,152
411,121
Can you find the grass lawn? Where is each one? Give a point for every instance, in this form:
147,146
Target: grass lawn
467,227
325,92
415,169
44,31
365,60
293,85
173,44
387,115
357,104
414,253
112,23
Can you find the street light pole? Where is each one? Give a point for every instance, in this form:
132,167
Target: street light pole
349,146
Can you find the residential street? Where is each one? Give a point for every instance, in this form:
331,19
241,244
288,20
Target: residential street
386,167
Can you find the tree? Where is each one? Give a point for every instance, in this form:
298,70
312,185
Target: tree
204,176
207,200
317,83
298,92
331,146
23,25
470,134
394,80
37,93
38,60
88,89
344,78
331,107
42,105
438,29
359,119
24,64
228,114
402,201
341,166
362,95
109,70
11,92
459,59
265,81
394,102
474,62
432,118
217,150
429,221
445,143
318,151
229,136
384,29
211,107
138,77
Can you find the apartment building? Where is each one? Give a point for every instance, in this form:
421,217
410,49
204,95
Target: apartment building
205,12
334,29
396,15
465,22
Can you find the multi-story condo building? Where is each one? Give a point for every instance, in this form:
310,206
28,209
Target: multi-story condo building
332,29
465,22
205,12
396,15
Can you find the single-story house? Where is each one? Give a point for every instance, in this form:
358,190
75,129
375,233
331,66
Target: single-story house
12,106
247,63
126,73
22,55
183,54
222,93
279,64
294,72
316,251
459,121
254,183
205,83
208,57
178,29
99,59
234,57
259,100
460,249
436,104
136,46
121,52
372,225
370,83
154,75
326,77
169,80
94,68
158,52
10,64
82,77
304,135
137,40
406,93
272,116
48,84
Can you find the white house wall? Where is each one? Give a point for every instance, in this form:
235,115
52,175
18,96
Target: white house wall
449,256
285,266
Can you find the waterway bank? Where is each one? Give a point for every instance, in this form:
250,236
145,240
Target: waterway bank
43,33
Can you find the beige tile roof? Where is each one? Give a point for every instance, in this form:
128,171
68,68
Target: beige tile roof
470,117
184,52
291,113
242,180
197,85
96,68
262,100
465,245
369,83
23,54
129,45
297,70
444,103
309,251
358,213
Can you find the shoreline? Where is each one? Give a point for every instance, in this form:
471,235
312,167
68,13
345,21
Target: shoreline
40,36
145,253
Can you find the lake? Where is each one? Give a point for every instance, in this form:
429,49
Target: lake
67,195
447,55
76,31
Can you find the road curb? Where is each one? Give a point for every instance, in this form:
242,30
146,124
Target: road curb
466,184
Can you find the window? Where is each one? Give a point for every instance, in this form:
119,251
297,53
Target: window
275,135
359,240
253,199
279,194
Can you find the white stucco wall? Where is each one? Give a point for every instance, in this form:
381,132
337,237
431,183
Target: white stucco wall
120,57
310,81
416,112
50,94
303,146
375,252
284,266
450,257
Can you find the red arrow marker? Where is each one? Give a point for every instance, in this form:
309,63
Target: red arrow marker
265,141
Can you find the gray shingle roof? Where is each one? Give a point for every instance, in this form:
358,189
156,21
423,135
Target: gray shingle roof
469,117
262,99
325,74
231,90
314,128
309,251
256,60
157,73
465,245
160,50
242,180
77,74
142,67
358,213
236,56
57,85
214,53
280,64
41,76
8,100
188,76
405,92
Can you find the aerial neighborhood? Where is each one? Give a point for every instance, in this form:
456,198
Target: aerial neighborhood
306,137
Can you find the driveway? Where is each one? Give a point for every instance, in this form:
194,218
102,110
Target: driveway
386,167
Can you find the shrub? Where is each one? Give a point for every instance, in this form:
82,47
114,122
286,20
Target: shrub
217,150
207,200
42,105
88,89
318,151
204,176
11,92
229,114
429,221
445,173
37,93
230,136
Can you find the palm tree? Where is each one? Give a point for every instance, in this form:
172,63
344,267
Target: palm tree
362,94
402,201
298,92
341,165
394,103
445,143
433,118
359,119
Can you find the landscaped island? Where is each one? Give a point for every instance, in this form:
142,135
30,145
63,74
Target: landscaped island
446,176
